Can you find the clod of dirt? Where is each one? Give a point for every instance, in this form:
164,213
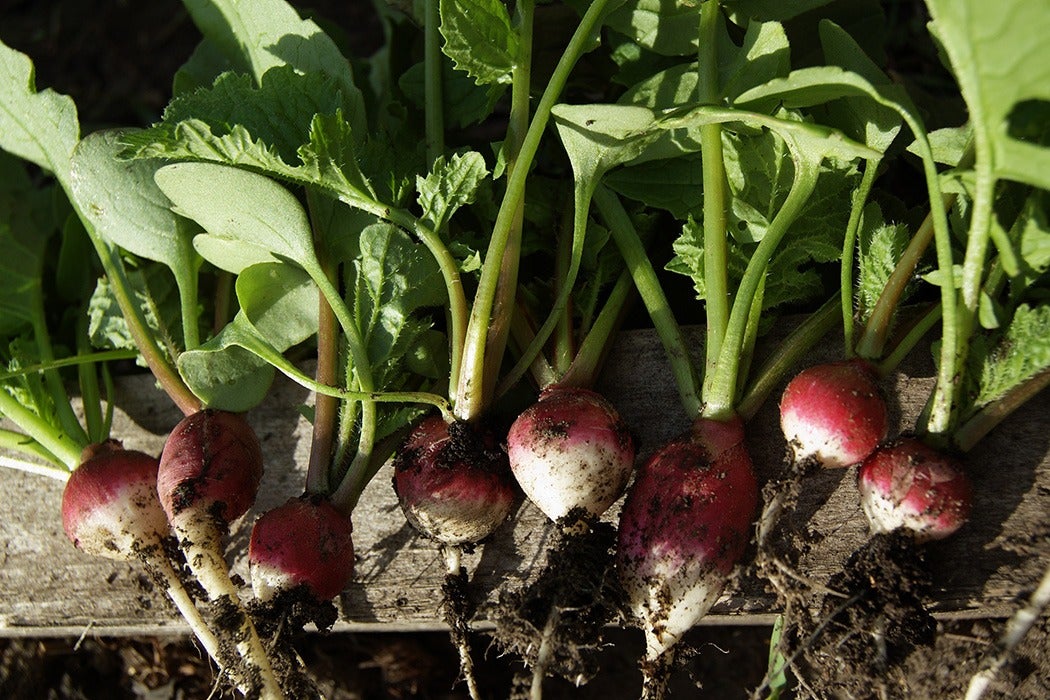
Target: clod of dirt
856,644
566,607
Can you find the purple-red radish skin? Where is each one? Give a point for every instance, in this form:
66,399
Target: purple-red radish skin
211,461
304,542
571,450
110,506
684,526
834,413
456,490
908,485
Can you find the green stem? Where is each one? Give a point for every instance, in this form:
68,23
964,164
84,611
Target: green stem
72,361
956,330
67,418
471,396
542,373
596,345
720,391
563,340
747,348
507,284
790,352
715,195
645,280
64,448
457,310
13,441
326,408
916,333
90,396
872,342
849,249
434,111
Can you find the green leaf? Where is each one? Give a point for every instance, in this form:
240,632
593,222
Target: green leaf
763,56
600,137
948,145
278,302
464,102
880,245
997,53
277,112
450,185
241,207
125,206
668,27
394,277
257,35
223,373
156,295
479,39
819,85
40,127
1021,352
674,184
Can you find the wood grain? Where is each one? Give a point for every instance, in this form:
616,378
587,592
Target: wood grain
49,588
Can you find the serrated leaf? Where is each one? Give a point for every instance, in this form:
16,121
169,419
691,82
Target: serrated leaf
278,111
674,184
997,53
258,35
948,145
394,277
880,245
450,185
40,127
1022,352
479,39
154,293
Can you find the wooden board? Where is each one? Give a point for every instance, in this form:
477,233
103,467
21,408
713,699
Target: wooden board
49,588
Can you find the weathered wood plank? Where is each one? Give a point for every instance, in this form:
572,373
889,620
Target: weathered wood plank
47,587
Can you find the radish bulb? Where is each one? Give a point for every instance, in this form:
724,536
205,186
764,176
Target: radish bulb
210,471
834,413
908,485
571,451
454,486
305,543
684,526
110,509
453,482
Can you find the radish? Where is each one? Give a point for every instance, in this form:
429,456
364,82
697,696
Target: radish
834,413
908,485
571,452
209,473
110,509
304,543
454,485
453,481
684,526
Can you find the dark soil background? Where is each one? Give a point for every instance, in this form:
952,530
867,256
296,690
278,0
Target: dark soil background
116,59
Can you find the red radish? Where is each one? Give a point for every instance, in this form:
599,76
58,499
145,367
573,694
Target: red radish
454,486
571,450
305,542
834,413
453,482
210,470
684,526
908,485
110,509
211,461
